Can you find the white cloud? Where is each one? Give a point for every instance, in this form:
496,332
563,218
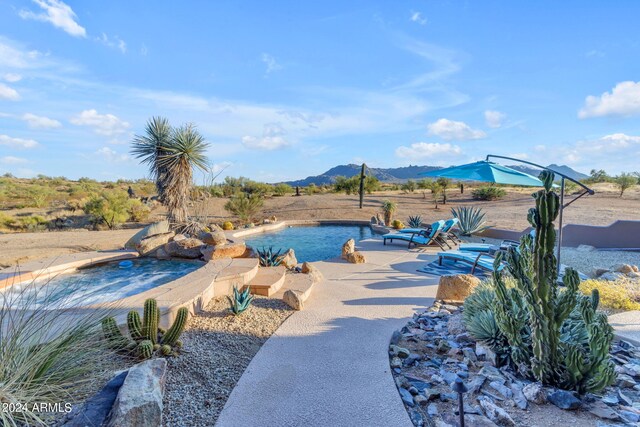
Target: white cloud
623,100
450,130
115,42
17,142
426,150
113,156
616,151
418,18
272,138
9,93
59,14
103,124
10,160
493,118
40,122
271,63
12,77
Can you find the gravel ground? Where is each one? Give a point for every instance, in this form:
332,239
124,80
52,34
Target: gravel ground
218,347
584,261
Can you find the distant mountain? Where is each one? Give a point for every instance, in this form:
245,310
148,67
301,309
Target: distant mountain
395,175
564,169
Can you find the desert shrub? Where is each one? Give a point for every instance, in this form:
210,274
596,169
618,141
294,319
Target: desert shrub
414,221
409,186
7,221
37,196
311,189
347,185
244,206
625,181
488,192
282,189
138,211
621,294
269,257
470,219
110,208
32,223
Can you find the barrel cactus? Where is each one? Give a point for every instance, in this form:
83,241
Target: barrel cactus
556,336
173,333
134,324
150,320
166,350
145,349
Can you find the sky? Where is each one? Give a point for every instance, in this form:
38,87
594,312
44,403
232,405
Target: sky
286,89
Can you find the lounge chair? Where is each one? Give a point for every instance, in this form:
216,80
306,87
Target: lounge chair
420,238
479,259
446,232
488,248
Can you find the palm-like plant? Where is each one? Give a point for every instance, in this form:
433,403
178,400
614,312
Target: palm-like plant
172,154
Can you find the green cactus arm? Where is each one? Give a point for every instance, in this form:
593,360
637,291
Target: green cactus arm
134,324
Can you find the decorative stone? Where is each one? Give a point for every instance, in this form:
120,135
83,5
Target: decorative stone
623,268
518,396
289,259
96,409
179,237
139,401
535,393
564,400
162,254
159,227
356,258
230,250
603,411
214,238
187,248
152,243
600,271
611,276
312,270
455,325
502,389
495,413
293,299
348,248
457,287
407,397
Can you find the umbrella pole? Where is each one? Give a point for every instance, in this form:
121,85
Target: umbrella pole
560,222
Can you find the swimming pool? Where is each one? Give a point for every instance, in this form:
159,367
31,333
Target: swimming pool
98,284
311,243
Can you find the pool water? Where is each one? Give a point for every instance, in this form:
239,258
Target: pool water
99,284
315,243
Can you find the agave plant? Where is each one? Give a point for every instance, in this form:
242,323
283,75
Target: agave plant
269,258
240,301
414,221
471,219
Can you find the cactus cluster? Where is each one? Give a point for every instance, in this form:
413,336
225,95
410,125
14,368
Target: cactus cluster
549,333
145,336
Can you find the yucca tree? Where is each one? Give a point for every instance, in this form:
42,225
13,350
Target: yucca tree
171,160
153,145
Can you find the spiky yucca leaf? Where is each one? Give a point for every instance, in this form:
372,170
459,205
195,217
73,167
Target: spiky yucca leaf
414,221
471,219
269,258
240,300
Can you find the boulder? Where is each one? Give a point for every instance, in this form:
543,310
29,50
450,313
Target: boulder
229,250
456,288
214,228
293,299
534,393
495,413
153,243
564,400
214,238
597,272
187,248
162,254
356,258
348,248
612,276
96,409
289,259
179,237
139,401
623,268
159,227
312,271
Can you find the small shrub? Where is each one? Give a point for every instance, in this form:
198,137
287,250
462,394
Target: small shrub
471,219
311,189
32,223
409,186
6,221
488,192
414,221
138,211
625,181
282,189
240,301
227,225
397,224
245,207
110,208
621,294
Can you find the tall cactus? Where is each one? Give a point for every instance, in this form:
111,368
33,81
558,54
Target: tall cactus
172,335
112,333
150,320
555,335
134,324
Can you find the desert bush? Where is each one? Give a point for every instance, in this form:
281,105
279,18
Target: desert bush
244,206
311,189
282,189
32,223
488,192
6,221
621,294
414,221
347,185
110,208
38,196
409,186
138,211
625,181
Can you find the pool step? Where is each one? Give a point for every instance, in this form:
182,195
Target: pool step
238,272
268,281
301,284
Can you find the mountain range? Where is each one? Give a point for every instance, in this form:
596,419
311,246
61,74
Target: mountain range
402,174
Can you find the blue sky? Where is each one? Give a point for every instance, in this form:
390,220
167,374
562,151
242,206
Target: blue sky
287,89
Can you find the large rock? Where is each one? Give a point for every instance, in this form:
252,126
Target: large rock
230,250
293,299
356,258
139,401
312,271
214,238
623,268
96,409
457,287
564,400
159,227
348,248
289,259
495,413
612,276
151,244
187,248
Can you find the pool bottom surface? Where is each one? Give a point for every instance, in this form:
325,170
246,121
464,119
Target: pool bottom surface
311,243
100,284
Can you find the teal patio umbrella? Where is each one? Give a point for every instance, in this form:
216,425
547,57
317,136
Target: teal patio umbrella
488,172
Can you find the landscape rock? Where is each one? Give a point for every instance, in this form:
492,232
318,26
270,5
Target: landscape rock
623,268
483,352
603,411
289,259
229,250
214,238
407,397
139,401
152,243
215,227
162,254
535,393
179,237
495,413
159,227
455,326
456,288
564,400
356,258
348,248
293,299
187,248
611,276
312,270
96,409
